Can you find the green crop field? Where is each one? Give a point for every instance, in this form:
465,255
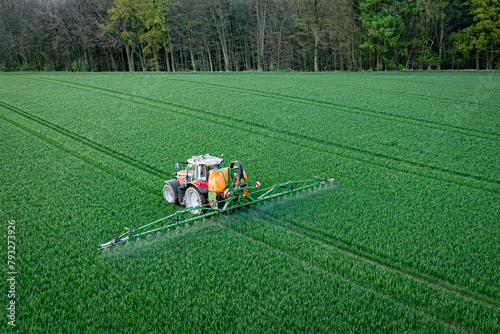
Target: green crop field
407,239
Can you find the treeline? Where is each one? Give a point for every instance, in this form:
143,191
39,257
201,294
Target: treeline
242,35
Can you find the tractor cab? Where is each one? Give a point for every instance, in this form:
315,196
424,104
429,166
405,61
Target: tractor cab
197,169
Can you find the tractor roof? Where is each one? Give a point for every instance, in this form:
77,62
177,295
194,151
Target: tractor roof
205,160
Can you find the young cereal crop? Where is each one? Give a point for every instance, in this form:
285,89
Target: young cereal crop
405,240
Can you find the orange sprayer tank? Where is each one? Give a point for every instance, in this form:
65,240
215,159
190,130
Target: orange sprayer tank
217,179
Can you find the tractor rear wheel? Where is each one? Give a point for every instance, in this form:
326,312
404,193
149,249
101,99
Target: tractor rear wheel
193,198
170,192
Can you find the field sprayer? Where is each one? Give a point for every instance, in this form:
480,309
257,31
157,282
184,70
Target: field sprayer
206,189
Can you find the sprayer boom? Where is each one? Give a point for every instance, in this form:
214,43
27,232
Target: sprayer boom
235,197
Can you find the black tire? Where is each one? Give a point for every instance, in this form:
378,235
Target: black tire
170,193
193,198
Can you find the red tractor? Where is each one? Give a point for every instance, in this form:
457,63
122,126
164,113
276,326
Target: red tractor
203,182
206,189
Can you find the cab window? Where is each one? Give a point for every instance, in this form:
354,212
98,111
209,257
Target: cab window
190,172
201,173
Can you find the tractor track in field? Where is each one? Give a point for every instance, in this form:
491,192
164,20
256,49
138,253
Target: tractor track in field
82,157
359,111
383,261
413,95
350,281
358,154
86,141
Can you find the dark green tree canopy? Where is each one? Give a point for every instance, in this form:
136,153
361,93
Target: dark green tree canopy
234,35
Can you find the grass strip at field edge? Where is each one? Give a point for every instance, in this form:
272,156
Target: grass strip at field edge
394,163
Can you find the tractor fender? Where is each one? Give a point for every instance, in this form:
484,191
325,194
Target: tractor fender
173,183
201,185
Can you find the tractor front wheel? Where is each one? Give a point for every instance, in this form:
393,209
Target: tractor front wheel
194,198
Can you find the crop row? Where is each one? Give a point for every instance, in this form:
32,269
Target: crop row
399,143
380,251
367,156
63,206
465,93
110,161
84,140
439,242
427,117
447,107
185,280
415,292
460,84
455,100
217,274
457,272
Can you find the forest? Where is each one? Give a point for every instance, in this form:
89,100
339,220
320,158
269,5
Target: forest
249,35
